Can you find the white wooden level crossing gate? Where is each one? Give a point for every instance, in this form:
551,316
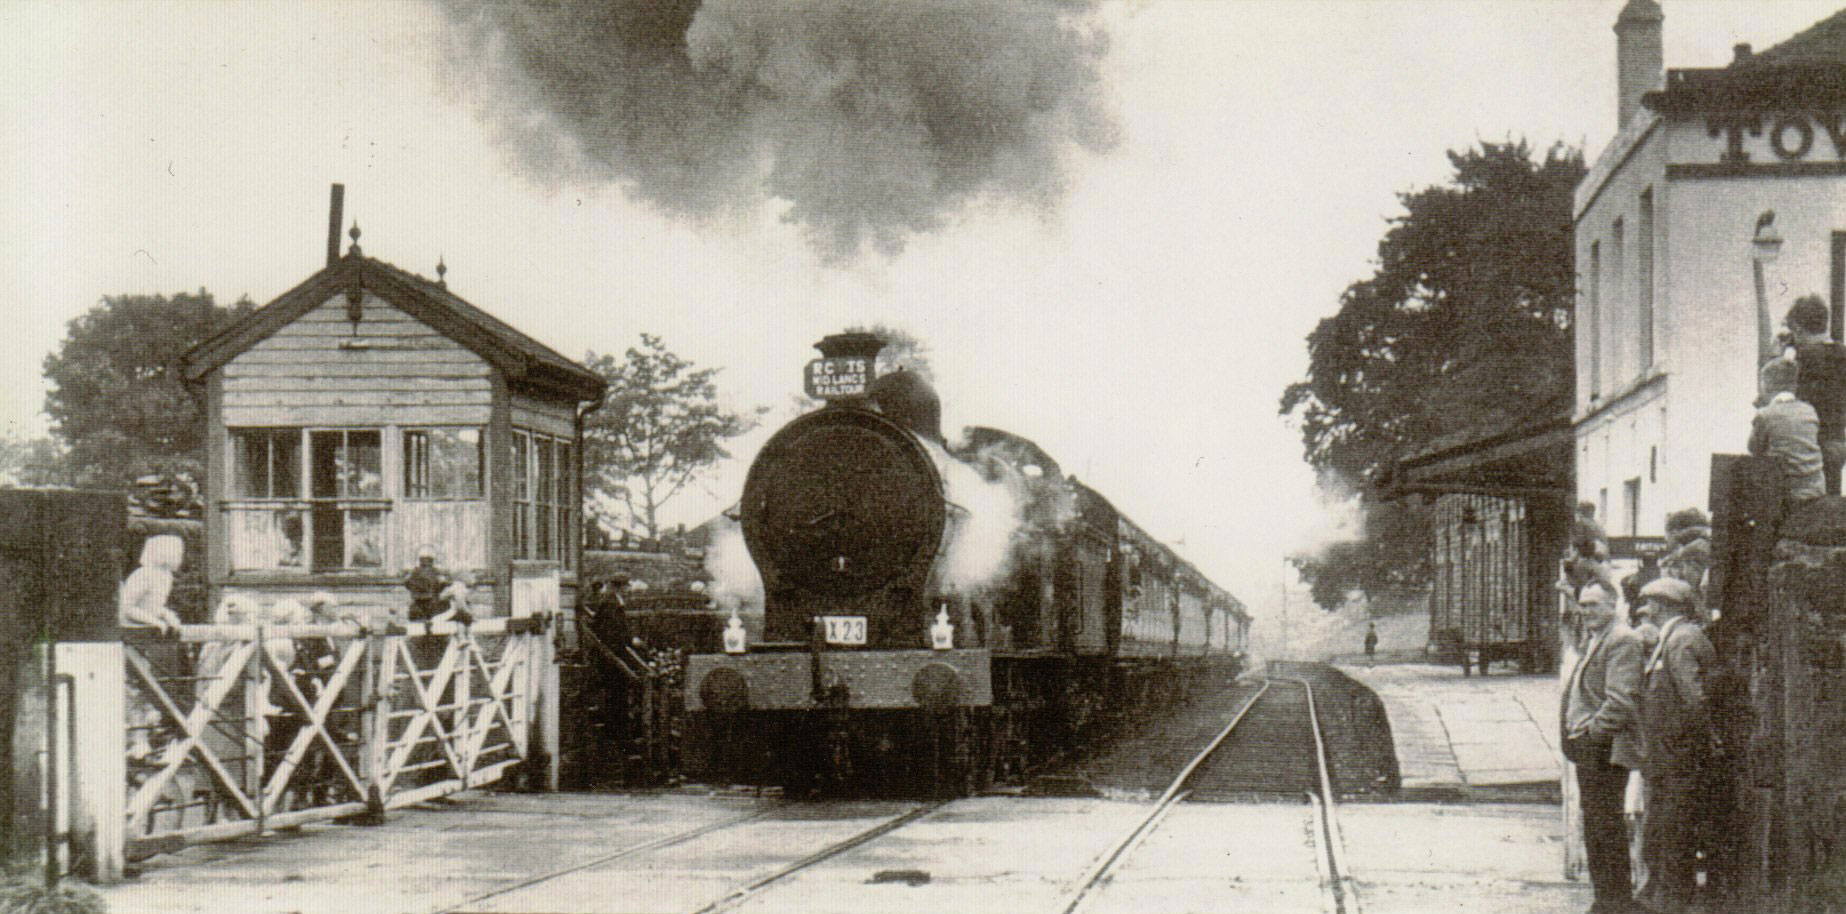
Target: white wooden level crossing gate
237,730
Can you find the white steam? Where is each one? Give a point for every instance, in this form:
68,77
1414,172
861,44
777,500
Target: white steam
736,584
981,535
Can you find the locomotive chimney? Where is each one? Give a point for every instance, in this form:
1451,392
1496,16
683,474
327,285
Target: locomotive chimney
334,216
850,345
847,366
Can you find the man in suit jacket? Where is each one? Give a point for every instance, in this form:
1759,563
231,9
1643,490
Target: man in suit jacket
1598,719
1676,729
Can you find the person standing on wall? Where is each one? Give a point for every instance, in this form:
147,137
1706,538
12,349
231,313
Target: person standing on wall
1676,732
1371,641
1601,738
1822,383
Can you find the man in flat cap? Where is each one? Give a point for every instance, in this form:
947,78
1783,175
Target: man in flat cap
1676,732
1602,739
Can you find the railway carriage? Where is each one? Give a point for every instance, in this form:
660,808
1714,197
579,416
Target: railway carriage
880,664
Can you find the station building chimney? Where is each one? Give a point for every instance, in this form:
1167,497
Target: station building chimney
1639,61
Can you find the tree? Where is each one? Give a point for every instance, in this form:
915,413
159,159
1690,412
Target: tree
116,401
32,462
660,429
1464,328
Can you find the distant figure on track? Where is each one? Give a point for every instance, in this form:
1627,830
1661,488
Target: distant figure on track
1371,641
1602,738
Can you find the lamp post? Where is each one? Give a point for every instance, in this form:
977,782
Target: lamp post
1765,245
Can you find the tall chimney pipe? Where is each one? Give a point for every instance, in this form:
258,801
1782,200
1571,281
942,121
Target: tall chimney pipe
334,218
1639,60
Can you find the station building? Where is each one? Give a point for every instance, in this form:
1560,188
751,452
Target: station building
369,413
1720,200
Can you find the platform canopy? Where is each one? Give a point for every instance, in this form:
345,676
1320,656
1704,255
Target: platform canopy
1524,458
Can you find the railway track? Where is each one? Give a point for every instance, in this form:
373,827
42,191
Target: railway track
1272,747
1271,750
735,896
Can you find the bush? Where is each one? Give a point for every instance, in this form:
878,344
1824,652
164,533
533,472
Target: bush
26,894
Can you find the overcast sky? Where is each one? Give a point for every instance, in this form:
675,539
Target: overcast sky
1141,330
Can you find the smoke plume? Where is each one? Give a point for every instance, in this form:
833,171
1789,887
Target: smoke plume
736,584
980,543
871,121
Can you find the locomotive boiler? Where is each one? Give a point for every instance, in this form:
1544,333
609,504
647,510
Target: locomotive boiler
910,643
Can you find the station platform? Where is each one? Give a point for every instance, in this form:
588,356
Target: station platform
1460,737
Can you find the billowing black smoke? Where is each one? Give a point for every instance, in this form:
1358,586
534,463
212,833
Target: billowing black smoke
872,120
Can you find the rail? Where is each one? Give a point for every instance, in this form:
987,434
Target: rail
1345,898
1330,860
235,730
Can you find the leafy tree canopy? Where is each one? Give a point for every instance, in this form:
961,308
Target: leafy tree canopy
32,462
116,402
660,429
1464,327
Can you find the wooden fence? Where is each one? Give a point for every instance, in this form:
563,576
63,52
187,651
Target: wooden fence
238,730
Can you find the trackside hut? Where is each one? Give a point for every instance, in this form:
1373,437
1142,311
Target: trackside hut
1667,222
369,412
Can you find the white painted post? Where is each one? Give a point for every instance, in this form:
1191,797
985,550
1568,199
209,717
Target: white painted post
545,654
97,766
537,592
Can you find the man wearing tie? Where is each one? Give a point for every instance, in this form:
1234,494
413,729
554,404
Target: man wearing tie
1598,717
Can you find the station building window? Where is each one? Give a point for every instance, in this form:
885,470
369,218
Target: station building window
339,525
346,489
443,463
545,498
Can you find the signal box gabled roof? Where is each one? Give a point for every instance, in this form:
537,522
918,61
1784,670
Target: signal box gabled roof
518,356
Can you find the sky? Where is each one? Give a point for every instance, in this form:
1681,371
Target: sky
1140,326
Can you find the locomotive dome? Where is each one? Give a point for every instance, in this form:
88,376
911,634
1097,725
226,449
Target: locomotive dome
908,400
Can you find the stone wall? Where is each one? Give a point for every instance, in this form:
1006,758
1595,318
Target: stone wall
1782,712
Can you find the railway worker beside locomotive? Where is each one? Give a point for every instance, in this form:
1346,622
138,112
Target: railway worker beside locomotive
1822,380
1788,430
1676,731
1602,738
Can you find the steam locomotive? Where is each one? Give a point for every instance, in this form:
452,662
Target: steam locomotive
908,642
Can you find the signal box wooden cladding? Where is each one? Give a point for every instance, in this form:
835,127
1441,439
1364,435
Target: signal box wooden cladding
62,557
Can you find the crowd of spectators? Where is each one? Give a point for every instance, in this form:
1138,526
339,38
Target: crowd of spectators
1636,716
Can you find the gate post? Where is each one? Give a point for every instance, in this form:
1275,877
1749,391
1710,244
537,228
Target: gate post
537,590
60,559
98,763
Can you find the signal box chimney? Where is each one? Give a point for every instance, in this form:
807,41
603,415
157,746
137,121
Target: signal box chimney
334,217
